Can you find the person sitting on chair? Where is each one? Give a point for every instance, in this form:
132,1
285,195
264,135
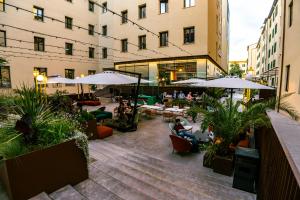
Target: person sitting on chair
182,132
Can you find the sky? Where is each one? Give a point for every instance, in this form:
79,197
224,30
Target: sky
246,19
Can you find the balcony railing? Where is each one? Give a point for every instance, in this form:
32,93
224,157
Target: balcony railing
279,146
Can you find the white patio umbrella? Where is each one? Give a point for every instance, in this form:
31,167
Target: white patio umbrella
109,78
60,80
233,83
190,81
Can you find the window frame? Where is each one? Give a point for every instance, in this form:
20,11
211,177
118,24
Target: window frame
37,43
287,77
104,53
3,6
190,2
67,73
104,30
124,45
36,16
184,35
91,29
124,19
166,4
164,43
67,24
142,15
142,44
91,6
68,50
104,7
291,13
91,52
4,38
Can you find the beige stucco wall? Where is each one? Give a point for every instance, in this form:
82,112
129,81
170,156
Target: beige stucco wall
252,56
22,68
291,56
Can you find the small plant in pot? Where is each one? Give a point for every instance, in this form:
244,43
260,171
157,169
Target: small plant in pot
39,148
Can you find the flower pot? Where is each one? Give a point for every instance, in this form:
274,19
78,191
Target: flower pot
206,162
90,129
223,165
44,170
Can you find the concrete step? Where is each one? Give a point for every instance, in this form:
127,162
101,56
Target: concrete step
93,191
41,196
123,190
67,193
169,175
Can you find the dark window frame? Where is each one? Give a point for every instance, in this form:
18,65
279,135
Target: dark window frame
142,11
3,6
142,42
70,72
162,42
92,72
104,30
164,3
104,53
104,7
124,45
189,35
91,52
91,6
124,18
91,29
4,38
39,44
68,22
36,14
291,13
189,3
69,49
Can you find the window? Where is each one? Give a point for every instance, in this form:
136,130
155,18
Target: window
275,45
124,16
104,53
270,37
273,32
287,78
5,81
275,28
104,7
189,3
164,6
91,29
91,6
69,48
91,72
269,53
41,70
39,44
38,13
69,1
2,38
124,45
104,30
70,73
274,63
276,11
142,11
163,38
291,13
2,5
91,52
68,22
142,42
189,35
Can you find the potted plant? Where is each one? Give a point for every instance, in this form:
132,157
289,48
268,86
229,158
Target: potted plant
193,112
41,151
89,124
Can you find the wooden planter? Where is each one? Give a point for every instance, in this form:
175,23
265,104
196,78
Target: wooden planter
223,165
44,171
90,129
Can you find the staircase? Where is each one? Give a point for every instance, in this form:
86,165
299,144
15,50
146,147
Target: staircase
118,174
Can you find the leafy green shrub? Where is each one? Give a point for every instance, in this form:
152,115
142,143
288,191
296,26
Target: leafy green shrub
193,112
85,116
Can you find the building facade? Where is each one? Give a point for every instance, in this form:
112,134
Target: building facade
269,47
198,27
290,69
241,63
45,37
252,59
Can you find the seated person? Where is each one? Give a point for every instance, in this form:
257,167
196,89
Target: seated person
181,132
189,97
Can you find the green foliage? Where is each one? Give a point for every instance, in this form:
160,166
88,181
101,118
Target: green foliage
193,112
236,70
216,93
85,116
211,151
60,102
180,102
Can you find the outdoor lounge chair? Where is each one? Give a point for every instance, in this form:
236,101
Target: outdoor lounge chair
180,145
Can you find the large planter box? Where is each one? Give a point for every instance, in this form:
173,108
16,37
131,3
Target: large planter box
223,165
44,171
206,163
90,129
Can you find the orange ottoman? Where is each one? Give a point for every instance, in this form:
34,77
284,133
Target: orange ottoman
104,131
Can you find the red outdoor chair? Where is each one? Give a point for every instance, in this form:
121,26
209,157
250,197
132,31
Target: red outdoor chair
180,145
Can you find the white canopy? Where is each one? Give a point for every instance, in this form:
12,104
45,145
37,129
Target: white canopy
58,79
109,78
233,83
190,81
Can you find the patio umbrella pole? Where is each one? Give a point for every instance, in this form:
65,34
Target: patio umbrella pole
135,101
231,95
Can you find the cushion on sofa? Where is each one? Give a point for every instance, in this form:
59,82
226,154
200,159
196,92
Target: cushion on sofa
104,131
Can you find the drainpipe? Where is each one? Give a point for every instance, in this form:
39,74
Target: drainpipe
282,56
